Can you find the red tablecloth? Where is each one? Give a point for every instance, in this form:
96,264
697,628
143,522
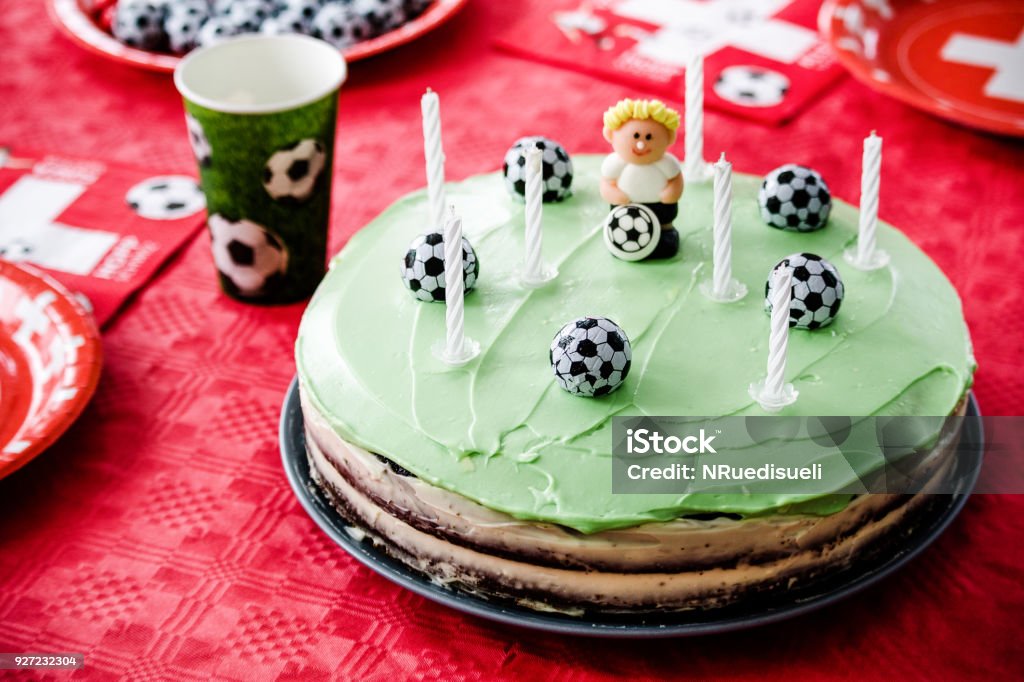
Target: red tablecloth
160,537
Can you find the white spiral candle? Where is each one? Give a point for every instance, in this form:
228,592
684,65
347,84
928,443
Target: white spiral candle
455,342
434,153
534,207
778,339
869,184
722,260
693,162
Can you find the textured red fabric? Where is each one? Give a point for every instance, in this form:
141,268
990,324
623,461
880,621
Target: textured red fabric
160,538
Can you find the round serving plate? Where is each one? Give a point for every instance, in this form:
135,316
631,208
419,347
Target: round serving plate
75,23
679,624
958,59
50,362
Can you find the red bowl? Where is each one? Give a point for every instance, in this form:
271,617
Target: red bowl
76,23
50,359
957,59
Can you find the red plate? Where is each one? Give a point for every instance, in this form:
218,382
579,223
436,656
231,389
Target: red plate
962,60
74,22
50,362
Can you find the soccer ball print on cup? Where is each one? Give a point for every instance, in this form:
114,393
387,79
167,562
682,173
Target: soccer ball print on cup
263,138
248,256
291,173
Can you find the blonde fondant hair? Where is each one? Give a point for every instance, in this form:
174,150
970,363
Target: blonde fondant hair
641,109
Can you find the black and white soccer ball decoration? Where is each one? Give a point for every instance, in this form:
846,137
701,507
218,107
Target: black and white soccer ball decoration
215,30
556,168
817,290
423,267
290,174
139,23
795,198
166,197
292,19
179,26
631,232
248,256
383,15
341,26
197,138
751,86
590,356
183,22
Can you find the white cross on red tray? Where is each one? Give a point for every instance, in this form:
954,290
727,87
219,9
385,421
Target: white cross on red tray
1004,58
962,61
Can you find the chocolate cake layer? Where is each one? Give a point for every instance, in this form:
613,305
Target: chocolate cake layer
681,564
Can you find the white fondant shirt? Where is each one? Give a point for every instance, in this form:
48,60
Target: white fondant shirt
642,184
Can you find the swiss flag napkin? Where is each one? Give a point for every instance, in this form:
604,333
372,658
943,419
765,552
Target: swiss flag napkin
101,229
763,59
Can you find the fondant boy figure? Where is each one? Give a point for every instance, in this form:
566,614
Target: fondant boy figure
640,170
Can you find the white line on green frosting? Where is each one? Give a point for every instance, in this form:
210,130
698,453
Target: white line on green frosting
500,432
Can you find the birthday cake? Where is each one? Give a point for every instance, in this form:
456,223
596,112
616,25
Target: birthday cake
495,474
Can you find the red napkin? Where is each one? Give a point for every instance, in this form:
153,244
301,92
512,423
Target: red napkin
763,59
72,218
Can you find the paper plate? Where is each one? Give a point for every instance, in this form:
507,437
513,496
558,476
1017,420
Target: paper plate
795,602
961,60
50,362
74,22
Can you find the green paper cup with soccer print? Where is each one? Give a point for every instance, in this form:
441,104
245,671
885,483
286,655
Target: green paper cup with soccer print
261,115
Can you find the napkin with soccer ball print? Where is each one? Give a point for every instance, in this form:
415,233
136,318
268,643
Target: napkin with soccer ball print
102,230
763,59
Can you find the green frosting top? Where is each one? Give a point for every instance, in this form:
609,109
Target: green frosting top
501,432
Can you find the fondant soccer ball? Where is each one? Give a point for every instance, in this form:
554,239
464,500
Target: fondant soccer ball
795,198
215,30
140,23
556,168
291,173
383,15
183,22
751,86
307,9
197,138
287,21
817,290
167,197
631,232
423,267
590,356
340,26
247,16
247,255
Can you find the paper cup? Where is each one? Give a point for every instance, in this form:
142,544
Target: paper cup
261,114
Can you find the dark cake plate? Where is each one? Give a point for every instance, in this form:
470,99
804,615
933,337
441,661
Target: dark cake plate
677,624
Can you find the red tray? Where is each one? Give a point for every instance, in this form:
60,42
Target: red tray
75,23
50,360
962,60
